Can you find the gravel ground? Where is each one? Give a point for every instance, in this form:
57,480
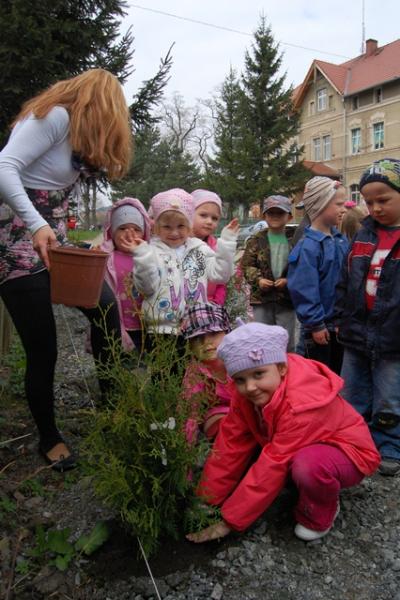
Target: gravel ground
358,560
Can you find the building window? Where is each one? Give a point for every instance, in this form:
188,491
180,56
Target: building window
355,103
317,149
355,193
326,147
321,99
379,136
356,140
378,95
330,102
311,108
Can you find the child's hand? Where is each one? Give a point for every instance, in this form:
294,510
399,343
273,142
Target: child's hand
214,532
129,241
321,337
233,226
280,283
265,284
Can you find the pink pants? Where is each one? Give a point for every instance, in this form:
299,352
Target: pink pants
319,472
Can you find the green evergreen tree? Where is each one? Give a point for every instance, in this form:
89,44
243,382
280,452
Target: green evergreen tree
158,165
255,155
47,40
225,172
270,122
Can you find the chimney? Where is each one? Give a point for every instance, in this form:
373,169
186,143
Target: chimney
371,46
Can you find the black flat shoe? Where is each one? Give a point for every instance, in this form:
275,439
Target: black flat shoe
60,465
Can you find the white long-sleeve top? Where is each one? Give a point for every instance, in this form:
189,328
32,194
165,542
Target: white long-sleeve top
38,156
170,279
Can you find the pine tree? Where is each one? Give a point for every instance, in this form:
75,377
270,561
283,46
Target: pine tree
158,165
269,120
47,40
226,171
255,155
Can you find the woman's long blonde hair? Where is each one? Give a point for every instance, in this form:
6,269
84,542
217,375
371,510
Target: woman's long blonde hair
100,129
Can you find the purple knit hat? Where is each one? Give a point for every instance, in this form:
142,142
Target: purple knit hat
176,200
253,345
204,196
204,318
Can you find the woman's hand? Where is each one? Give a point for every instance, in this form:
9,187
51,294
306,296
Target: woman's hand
321,337
43,239
214,532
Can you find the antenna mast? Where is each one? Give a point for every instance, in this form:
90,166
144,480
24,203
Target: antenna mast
363,28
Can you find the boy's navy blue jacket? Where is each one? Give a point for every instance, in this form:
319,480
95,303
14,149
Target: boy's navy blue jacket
375,332
314,270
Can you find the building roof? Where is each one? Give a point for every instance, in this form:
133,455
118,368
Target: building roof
320,168
371,69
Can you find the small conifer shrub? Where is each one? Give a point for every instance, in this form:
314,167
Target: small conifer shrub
137,453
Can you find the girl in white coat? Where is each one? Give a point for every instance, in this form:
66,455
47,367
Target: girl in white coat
173,270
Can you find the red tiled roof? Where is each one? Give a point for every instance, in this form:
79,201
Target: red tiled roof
360,73
320,168
337,74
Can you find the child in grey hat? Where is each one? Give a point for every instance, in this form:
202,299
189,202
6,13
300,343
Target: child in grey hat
287,411
126,215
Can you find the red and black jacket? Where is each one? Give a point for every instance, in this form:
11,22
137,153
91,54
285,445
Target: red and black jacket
375,332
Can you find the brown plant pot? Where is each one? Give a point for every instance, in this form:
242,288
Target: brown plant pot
76,275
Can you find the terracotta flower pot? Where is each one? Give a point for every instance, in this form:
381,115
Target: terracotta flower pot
76,275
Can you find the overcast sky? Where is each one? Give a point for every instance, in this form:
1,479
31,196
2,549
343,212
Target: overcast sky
202,55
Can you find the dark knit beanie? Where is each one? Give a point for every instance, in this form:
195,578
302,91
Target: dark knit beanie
386,171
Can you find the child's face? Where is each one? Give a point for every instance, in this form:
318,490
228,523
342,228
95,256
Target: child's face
204,347
277,219
206,219
332,215
172,228
258,385
383,203
120,234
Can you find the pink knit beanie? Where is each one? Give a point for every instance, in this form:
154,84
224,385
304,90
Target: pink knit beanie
253,345
204,196
176,200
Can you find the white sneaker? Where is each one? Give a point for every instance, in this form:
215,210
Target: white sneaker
308,535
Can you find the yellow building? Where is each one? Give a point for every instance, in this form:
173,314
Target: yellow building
350,113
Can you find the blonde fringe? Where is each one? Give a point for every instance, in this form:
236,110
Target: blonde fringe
100,128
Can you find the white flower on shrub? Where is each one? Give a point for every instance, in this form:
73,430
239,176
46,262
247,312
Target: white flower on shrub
170,423
164,456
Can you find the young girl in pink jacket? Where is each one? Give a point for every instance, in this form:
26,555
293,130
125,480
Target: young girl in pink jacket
126,215
288,409
206,382
207,214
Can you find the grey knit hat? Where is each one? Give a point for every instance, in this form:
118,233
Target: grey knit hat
253,345
126,214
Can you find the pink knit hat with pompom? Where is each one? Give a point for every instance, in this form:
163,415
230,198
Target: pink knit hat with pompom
176,200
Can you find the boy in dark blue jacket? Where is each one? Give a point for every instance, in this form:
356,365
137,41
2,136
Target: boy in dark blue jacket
368,313
314,269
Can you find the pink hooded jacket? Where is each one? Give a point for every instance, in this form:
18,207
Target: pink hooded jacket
216,292
108,246
305,409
